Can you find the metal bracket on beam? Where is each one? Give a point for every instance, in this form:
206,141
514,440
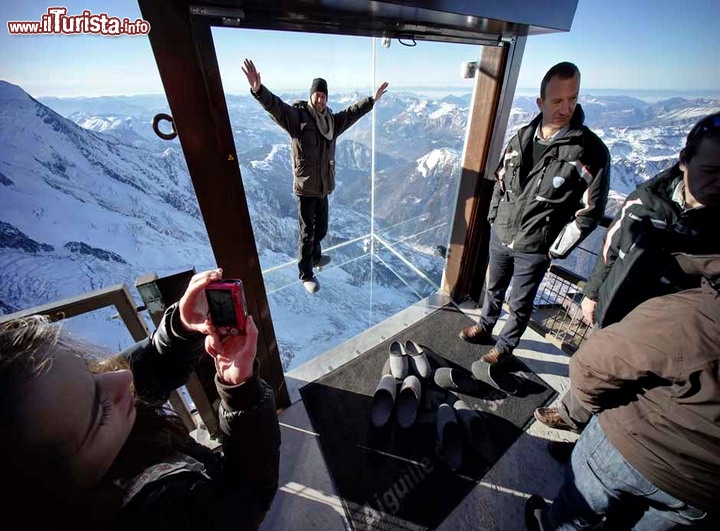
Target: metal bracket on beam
150,294
229,16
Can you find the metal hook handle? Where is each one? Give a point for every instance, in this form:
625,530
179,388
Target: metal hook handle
167,118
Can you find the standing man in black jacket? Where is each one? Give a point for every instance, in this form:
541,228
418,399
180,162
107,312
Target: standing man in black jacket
314,129
550,193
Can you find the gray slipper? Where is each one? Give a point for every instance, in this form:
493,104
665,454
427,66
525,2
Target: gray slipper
496,376
408,401
449,445
398,360
503,380
418,360
474,429
456,380
383,400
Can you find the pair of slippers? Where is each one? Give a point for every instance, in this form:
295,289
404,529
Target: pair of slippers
406,358
408,401
403,360
457,422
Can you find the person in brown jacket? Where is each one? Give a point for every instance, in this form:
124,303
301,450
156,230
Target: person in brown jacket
313,128
677,211
652,382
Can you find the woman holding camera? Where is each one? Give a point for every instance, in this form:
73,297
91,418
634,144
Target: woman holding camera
88,442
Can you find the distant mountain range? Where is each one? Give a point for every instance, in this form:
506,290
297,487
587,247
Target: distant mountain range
90,197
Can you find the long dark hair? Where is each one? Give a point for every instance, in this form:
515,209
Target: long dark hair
27,348
157,432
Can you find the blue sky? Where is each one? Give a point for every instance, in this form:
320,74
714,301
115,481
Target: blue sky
618,44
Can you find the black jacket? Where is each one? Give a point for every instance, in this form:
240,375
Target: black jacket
196,488
561,199
313,155
635,263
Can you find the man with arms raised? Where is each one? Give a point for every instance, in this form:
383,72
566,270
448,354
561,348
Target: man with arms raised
314,129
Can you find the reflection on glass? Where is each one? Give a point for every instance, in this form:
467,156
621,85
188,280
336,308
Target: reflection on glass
419,142
354,297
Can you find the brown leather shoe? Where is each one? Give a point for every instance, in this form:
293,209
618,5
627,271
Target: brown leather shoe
476,335
550,416
495,357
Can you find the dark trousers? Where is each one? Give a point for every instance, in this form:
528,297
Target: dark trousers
573,412
526,270
312,228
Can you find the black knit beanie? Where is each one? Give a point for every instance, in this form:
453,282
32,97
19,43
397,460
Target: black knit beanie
318,85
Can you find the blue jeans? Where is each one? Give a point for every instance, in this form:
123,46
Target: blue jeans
598,479
526,270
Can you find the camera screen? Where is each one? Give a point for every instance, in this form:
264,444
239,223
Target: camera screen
222,312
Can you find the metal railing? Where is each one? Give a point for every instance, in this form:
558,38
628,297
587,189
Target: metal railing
556,312
118,296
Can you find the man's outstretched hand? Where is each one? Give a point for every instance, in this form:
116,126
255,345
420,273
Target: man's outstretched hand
253,76
382,89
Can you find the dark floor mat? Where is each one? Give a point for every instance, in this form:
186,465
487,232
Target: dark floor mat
391,478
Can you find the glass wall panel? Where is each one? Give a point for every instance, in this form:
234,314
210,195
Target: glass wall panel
307,325
354,296
288,63
397,172
420,134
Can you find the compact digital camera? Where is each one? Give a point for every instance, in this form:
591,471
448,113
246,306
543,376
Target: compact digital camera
227,307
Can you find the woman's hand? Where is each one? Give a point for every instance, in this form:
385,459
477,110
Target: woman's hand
234,355
193,304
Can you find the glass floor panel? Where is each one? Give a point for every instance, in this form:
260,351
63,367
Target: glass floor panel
357,291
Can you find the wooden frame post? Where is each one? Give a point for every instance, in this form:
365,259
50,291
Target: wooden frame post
188,70
495,82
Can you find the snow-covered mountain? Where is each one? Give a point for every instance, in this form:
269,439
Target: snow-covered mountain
90,197
81,210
